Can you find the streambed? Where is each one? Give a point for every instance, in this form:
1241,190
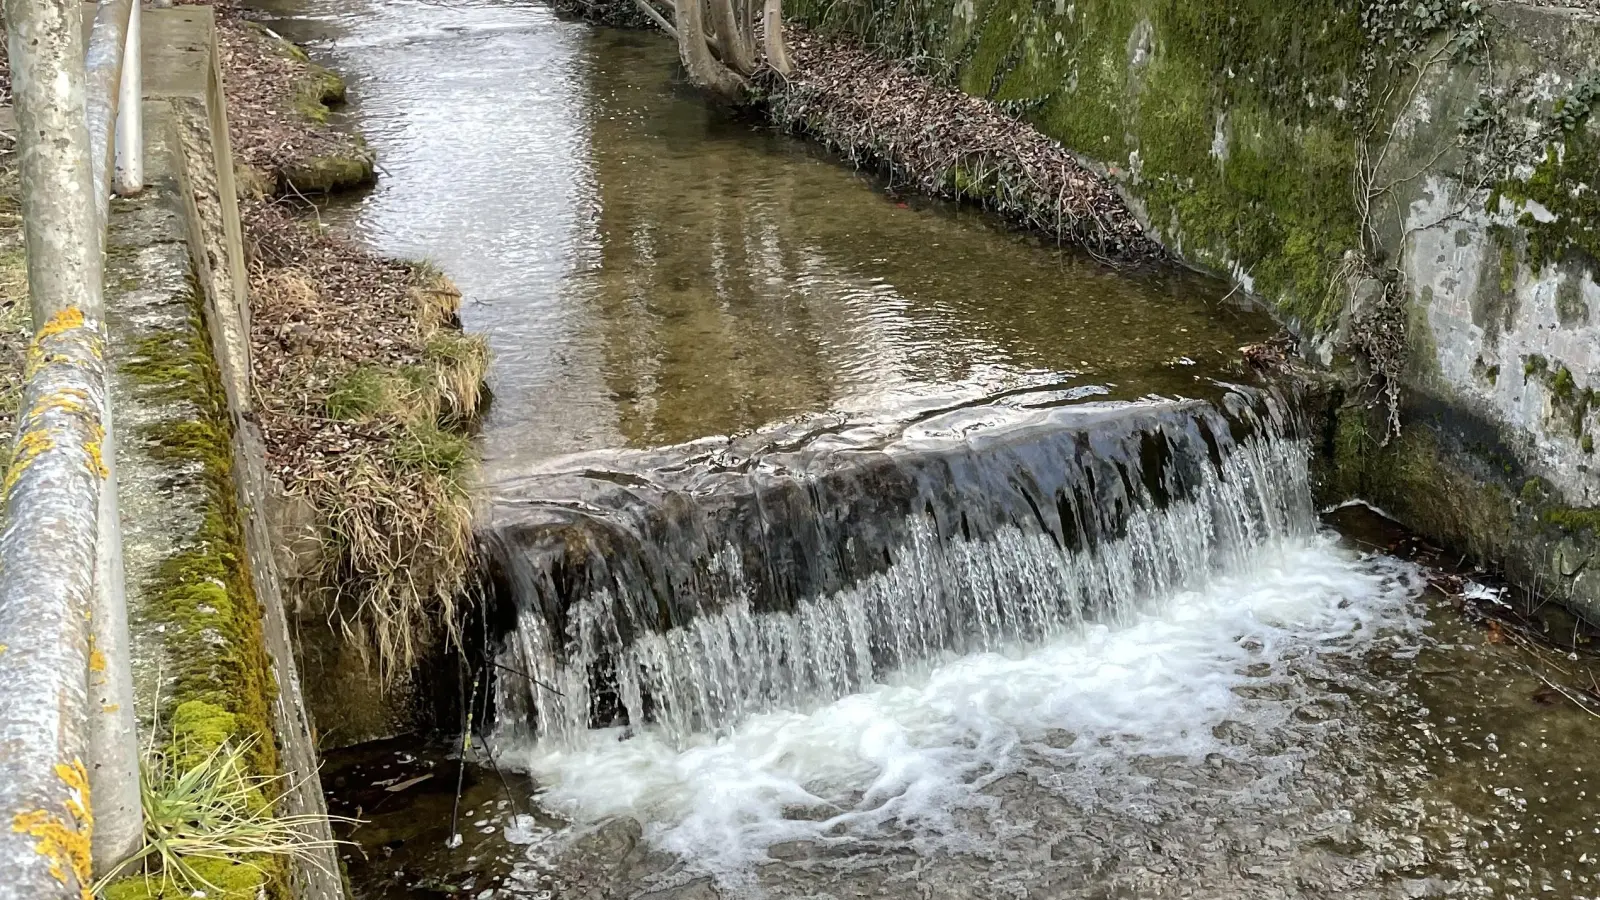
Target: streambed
1308,719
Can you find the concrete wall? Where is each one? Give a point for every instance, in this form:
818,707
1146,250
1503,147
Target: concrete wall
213,652
1269,142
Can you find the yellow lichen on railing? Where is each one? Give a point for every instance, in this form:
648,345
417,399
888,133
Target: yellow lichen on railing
64,840
30,446
60,323
97,463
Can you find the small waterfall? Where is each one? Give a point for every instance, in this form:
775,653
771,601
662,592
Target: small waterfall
693,586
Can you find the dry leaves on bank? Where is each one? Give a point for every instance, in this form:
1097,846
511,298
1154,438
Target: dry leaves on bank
949,143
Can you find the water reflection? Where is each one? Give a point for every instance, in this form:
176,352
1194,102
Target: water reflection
650,271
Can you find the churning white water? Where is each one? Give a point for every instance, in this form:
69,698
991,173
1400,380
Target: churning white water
914,759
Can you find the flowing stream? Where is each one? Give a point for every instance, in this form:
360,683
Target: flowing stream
849,545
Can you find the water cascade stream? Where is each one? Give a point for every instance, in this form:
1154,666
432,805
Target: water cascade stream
777,572
1020,596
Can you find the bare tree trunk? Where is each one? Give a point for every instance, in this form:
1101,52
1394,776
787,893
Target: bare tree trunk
704,70
747,27
736,50
772,34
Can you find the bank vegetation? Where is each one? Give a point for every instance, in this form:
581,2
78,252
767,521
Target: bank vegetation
370,390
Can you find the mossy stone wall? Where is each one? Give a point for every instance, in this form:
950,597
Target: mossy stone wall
1230,123
1450,144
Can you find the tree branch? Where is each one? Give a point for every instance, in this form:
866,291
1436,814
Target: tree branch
656,17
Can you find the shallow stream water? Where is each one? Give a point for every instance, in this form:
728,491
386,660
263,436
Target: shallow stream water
650,271
1304,721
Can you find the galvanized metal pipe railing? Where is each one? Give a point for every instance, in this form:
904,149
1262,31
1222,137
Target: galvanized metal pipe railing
65,686
113,109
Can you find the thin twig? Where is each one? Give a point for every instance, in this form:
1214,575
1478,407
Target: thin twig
488,753
1578,700
547,687
461,770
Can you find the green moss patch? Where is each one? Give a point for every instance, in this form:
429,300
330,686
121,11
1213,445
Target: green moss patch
352,166
1571,518
201,593
234,880
1566,186
1411,478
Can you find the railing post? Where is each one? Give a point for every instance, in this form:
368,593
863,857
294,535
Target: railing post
52,490
129,178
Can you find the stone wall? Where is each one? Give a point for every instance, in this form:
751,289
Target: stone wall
1440,154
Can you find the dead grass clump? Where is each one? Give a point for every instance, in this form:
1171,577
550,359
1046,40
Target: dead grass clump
460,362
436,298
370,392
16,321
397,522
948,143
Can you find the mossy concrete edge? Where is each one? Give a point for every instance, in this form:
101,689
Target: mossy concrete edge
204,197
201,668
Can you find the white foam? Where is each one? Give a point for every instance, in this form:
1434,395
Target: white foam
913,756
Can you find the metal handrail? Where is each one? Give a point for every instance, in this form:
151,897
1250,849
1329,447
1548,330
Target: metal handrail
66,711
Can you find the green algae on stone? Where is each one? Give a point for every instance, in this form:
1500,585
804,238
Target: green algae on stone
353,166
318,93
1566,187
1574,518
233,880
1411,477
203,726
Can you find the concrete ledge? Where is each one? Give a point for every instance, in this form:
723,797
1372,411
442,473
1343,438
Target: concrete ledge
195,493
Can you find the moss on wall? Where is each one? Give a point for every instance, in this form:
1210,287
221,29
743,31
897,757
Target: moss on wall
203,597
1566,187
1231,121
1473,496
1410,477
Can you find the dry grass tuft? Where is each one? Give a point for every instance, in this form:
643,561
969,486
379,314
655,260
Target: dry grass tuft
460,363
206,807
436,298
370,391
398,527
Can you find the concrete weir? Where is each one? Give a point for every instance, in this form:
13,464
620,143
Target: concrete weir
212,650
695,585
